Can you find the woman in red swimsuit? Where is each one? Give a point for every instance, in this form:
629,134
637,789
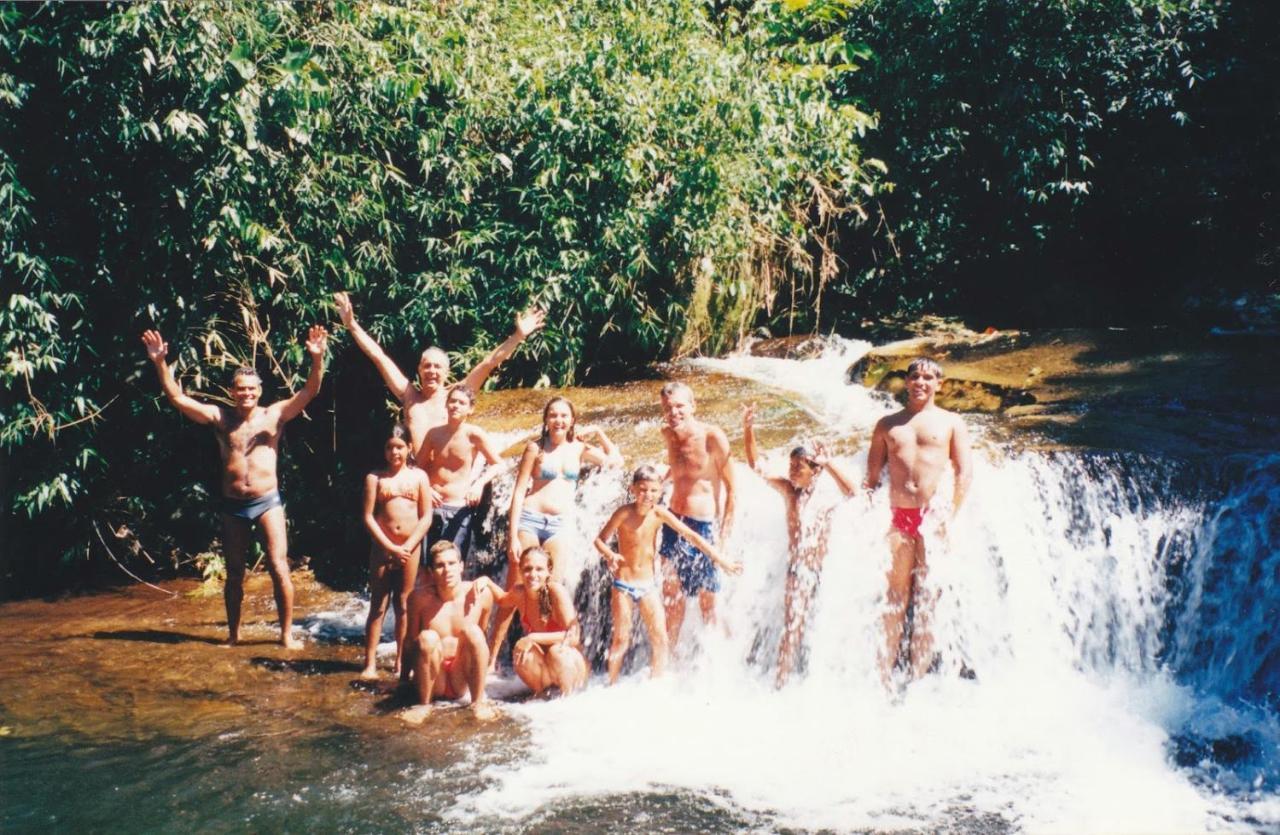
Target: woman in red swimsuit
549,654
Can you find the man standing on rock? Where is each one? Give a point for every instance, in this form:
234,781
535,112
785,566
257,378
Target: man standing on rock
702,496
917,443
249,440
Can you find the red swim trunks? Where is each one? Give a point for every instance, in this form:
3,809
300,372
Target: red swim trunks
446,666
908,520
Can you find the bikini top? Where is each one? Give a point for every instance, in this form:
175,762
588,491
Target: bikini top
387,493
553,625
551,473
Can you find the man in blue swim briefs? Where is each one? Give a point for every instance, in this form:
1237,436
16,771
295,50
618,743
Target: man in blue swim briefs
701,472
249,440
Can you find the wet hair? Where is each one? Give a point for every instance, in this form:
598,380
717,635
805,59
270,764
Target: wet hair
805,452
439,548
245,371
645,472
546,411
925,364
462,388
676,387
544,593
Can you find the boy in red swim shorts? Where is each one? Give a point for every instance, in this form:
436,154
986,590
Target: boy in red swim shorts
916,443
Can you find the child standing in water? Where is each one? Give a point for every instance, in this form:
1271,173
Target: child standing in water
397,512
808,528
636,526
549,654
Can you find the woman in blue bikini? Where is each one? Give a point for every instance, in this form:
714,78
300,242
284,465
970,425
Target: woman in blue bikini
547,482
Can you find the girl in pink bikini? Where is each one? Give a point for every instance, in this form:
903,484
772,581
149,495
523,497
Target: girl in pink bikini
549,654
397,512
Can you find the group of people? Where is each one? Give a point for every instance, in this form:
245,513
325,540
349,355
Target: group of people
419,510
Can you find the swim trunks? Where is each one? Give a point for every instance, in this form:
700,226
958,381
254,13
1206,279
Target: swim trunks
446,666
542,525
695,569
634,591
250,509
451,522
907,520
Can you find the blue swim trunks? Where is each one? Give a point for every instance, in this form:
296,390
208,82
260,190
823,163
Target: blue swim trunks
250,509
695,569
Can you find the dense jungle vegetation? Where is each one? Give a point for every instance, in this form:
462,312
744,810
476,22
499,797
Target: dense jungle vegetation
664,176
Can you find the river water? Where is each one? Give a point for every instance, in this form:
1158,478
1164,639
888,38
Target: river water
1117,608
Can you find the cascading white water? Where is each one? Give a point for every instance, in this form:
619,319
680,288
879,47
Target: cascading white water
1082,589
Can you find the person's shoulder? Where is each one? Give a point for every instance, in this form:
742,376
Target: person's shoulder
374,476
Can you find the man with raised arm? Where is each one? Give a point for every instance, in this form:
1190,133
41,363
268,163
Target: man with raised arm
424,404
917,443
249,440
701,472
447,653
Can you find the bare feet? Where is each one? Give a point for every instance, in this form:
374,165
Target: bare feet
415,715
369,674
484,711
290,642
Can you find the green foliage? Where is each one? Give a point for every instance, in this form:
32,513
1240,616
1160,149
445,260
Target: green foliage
218,170
1010,128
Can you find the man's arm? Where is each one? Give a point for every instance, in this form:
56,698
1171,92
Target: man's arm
391,375
526,323
843,479
725,465
961,462
484,444
672,521
749,435
193,409
317,339
877,456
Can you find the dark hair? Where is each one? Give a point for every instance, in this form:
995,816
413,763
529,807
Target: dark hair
462,388
546,410
544,593
805,453
645,472
438,549
400,432
925,364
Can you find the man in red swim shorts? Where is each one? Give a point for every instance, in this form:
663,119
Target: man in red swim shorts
916,443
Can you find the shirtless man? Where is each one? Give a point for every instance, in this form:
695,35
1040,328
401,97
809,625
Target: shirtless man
702,473
249,440
425,405
916,442
808,528
448,455
448,651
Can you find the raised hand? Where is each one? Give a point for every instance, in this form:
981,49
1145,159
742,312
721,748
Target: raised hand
345,312
528,321
820,456
157,348
748,415
317,339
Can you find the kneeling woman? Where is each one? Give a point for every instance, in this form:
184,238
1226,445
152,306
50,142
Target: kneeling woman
549,654
547,481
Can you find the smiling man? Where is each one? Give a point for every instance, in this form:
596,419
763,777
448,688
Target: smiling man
916,443
249,441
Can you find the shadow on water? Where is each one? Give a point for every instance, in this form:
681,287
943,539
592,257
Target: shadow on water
305,666
154,636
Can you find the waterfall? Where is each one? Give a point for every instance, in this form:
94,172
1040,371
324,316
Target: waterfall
1116,610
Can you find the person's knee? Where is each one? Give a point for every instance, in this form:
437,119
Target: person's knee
429,644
